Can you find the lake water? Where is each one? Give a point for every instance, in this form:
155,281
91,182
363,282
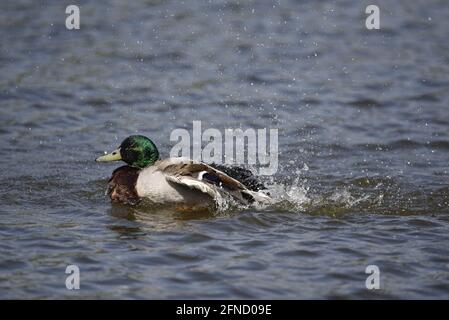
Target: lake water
363,119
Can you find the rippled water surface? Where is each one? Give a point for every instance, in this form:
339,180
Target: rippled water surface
363,120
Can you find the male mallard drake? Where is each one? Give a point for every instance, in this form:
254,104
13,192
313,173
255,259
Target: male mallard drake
179,181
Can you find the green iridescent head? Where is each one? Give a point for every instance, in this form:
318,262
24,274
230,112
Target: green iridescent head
137,151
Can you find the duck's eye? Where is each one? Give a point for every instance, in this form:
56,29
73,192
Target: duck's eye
114,153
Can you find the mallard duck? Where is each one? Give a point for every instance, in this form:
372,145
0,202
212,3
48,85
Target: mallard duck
178,180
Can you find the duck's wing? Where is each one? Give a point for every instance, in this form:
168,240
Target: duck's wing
202,177
243,175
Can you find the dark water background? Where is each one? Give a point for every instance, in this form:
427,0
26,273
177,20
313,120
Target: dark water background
364,147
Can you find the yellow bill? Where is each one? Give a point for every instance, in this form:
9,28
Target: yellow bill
113,156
